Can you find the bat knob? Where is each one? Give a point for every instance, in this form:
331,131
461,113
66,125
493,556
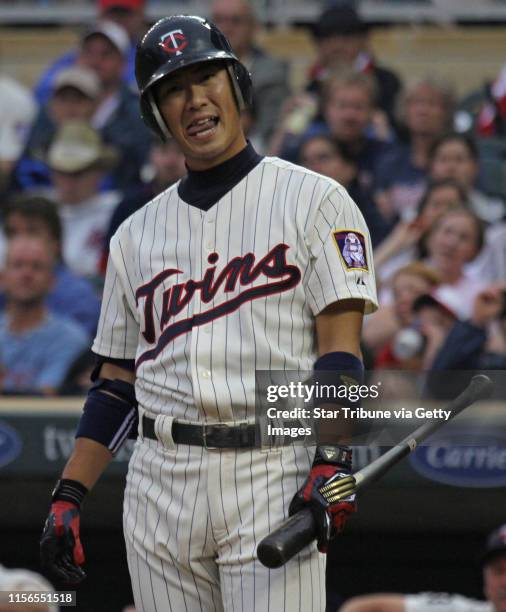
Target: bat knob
270,555
287,540
482,386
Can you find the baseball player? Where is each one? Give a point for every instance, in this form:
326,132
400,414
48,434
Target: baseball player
236,268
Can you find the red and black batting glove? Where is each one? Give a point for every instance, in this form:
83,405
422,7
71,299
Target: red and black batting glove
61,552
329,491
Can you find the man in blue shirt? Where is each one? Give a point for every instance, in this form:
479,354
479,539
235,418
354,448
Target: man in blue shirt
36,347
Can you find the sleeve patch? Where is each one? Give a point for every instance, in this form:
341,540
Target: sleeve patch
351,247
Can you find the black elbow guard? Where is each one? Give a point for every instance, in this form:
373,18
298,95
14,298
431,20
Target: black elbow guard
110,413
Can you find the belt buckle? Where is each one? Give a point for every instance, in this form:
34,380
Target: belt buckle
241,425
212,426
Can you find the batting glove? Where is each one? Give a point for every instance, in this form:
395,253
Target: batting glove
329,491
61,552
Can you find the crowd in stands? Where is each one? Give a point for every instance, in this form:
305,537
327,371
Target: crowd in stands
76,160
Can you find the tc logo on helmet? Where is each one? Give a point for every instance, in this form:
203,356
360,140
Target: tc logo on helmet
174,42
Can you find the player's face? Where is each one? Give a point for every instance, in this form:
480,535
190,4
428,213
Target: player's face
495,583
201,113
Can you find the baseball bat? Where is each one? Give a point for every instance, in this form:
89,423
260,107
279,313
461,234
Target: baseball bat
299,530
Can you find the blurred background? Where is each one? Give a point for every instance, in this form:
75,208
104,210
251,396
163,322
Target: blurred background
401,101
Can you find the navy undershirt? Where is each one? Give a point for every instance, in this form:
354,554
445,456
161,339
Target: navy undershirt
205,187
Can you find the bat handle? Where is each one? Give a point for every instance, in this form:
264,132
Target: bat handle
276,549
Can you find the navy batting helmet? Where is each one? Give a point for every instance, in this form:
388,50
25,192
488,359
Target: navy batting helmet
176,42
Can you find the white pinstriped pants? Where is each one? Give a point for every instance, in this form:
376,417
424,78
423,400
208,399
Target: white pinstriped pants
193,518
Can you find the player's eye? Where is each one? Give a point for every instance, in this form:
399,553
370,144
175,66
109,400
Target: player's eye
206,76
170,90
173,89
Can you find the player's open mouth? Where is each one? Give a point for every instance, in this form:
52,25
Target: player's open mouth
202,128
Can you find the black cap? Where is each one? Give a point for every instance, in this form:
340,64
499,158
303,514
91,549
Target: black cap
428,299
339,20
495,546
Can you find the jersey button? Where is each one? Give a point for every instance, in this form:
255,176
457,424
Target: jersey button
206,374
210,246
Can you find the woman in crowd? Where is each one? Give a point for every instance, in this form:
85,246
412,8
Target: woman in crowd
454,240
406,242
425,112
456,156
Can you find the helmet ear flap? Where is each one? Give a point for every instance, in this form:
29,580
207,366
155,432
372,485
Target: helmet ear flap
152,116
243,78
241,84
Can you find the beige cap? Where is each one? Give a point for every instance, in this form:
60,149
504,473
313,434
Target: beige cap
77,146
117,35
80,78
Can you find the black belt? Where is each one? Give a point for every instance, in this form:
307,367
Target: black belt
216,435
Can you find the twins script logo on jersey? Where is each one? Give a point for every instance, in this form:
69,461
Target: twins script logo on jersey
351,247
239,271
174,42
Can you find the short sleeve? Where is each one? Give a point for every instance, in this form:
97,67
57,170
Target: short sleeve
341,265
118,330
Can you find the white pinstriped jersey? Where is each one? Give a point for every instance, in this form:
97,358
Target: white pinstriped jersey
202,299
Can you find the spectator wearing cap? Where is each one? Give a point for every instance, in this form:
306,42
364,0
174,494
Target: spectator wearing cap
74,97
473,343
434,316
237,20
70,296
342,42
380,330
78,159
116,108
117,117
36,347
130,15
18,110
493,562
